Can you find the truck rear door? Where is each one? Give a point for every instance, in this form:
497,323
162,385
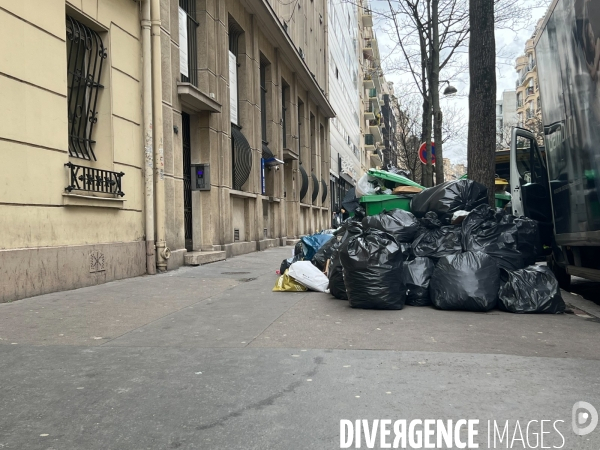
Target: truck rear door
529,183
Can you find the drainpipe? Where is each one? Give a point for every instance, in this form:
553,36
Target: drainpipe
162,251
148,149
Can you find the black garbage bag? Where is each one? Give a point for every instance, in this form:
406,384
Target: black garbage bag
286,263
468,282
359,213
337,288
430,220
532,290
447,198
407,250
320,258
529,241
416,275
513,242
350,202
372,262
400,224
495,234
435,240
298,251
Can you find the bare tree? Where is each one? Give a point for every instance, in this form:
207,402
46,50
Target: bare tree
504,137
536,126
409,131
454,127
408,136
431,38
482,98
533,124
428,32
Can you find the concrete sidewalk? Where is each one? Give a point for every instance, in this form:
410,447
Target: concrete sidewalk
210,357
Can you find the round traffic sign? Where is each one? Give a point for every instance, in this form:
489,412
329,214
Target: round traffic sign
423,152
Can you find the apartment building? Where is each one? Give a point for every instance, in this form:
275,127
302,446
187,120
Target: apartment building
345,134
529,113
254,109
141,135
371,95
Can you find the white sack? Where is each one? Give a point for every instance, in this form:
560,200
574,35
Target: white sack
308,275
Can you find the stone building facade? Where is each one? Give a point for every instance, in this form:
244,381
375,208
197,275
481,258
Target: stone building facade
70,119
279,53
116,111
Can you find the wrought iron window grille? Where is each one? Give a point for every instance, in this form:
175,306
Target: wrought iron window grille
85,57
94,180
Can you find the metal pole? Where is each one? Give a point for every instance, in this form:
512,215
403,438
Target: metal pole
148,149
162,251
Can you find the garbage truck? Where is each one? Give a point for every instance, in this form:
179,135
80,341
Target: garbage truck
559,189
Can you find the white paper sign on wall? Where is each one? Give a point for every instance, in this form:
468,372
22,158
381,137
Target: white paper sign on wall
183,43
233,90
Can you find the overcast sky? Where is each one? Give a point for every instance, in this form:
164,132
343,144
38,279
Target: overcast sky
509,43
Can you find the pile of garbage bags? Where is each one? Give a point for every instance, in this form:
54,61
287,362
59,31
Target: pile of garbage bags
452,252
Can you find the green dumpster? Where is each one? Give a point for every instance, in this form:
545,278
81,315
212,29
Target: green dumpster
392,180
502,200
374,204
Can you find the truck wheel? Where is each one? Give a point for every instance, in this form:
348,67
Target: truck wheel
563,278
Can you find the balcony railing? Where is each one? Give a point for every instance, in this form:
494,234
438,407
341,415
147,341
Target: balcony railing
523,74
94,180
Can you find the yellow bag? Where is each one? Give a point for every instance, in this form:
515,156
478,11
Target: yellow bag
285,283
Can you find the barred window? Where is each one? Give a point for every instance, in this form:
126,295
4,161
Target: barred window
85,56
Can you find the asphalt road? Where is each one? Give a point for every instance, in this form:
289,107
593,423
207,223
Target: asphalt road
211,358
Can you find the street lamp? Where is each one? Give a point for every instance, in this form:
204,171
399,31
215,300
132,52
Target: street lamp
450,90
